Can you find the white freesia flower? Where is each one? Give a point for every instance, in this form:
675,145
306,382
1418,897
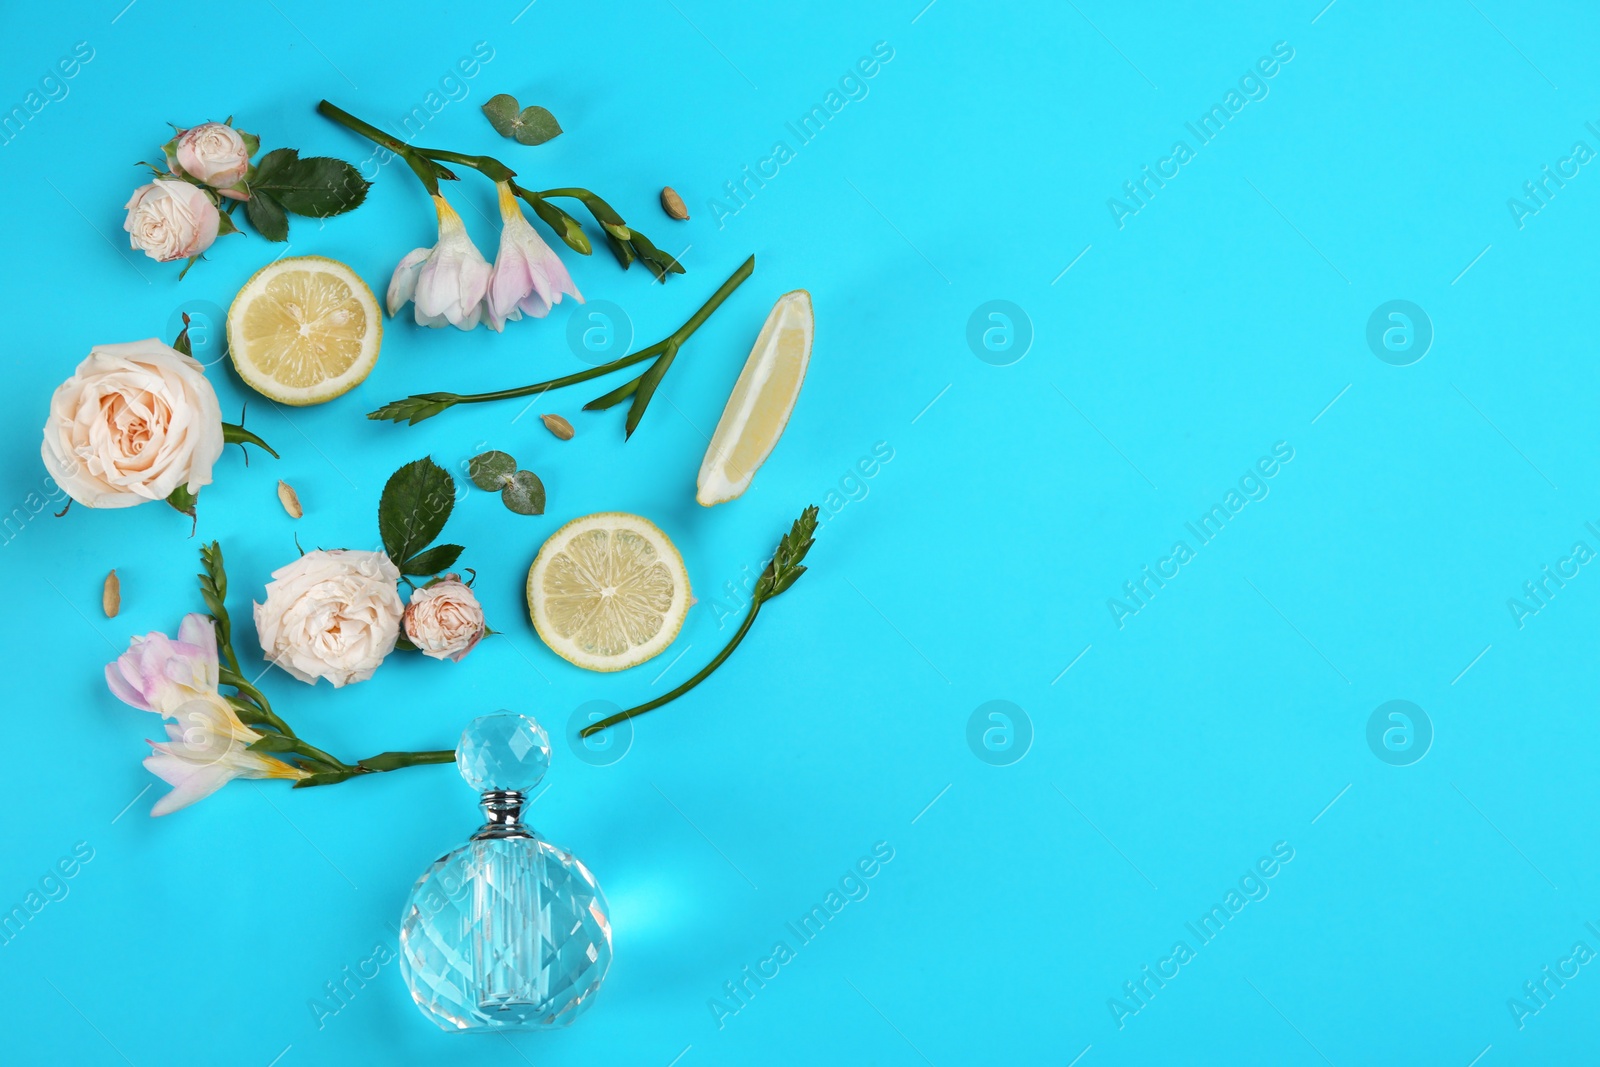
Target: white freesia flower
445,283
528,275
331,614
170,220
134,422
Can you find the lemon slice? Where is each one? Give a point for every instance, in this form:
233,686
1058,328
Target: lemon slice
762,398
608,591
304,330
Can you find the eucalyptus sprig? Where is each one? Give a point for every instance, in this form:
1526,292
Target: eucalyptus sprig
419,406
626,243
520,491
255,711
782,571
531,125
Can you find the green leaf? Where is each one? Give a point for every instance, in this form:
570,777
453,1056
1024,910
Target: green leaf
181,345
502,110
235,434
225,224
325,778
535,126
491,470
267,216
647,388
525,494
416,502
317,186
183,500
432,561
613,398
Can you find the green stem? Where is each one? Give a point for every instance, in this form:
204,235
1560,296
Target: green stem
425,170
312,752
393,761
698,319
671,342
705,672
488,166
557,383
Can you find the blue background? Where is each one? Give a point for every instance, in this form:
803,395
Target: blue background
1229,714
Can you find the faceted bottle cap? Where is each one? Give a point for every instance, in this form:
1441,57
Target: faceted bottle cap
504,751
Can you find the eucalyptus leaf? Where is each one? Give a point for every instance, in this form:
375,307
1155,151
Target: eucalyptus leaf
416,502
502,111
535,126
525,494
491,470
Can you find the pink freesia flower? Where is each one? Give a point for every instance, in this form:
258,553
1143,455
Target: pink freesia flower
207,744
445,283
159,674
528,275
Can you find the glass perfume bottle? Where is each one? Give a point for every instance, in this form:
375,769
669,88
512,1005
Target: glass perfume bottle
507,931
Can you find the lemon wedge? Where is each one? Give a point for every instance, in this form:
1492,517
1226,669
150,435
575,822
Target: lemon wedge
759,406
608,591
304,330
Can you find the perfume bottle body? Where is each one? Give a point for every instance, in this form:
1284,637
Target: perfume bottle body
505,932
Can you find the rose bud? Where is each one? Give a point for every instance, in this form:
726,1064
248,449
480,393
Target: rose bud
170,220
215,154
444,620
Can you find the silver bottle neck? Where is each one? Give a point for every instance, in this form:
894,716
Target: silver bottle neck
502,808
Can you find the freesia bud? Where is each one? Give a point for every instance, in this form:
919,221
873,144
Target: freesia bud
170,220
528,275
445,283
215,154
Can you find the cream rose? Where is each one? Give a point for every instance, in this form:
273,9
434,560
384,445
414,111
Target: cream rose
134,422
170,220
444,620
331,614
213,153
